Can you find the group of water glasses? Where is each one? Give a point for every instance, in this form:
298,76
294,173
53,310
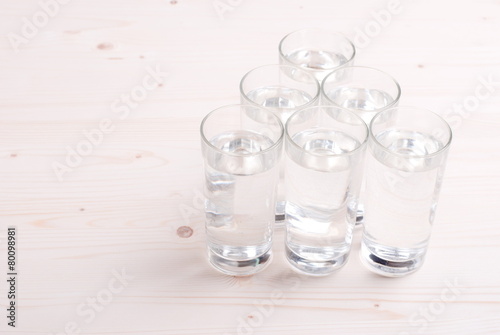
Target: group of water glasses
321,146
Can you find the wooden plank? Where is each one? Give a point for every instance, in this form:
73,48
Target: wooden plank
120,208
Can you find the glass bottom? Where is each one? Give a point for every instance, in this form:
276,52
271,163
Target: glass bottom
360,216
310,267
279,221
389,261
240,267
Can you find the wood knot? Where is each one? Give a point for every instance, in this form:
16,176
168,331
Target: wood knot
105,46
184,232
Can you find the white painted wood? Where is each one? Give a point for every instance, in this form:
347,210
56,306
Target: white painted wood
121,208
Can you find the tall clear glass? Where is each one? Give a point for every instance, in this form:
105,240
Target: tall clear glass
406,161
282,89
241,147
316,51
324,148
363,90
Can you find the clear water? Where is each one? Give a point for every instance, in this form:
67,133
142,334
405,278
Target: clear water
283,101
400,203
364,101
241,198
320,209
320,62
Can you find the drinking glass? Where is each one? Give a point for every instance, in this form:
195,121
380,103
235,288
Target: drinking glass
241,147
324,148
317,51
406,160
282,89
363,90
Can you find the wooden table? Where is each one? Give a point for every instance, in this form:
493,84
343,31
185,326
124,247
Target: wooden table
100,167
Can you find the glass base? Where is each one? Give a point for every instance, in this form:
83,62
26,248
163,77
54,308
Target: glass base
314,268
360,216
389,268
279,221
240,267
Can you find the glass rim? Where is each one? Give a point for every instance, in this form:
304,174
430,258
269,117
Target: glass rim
280,49
432,154
352,152
213,147
391,105
314,81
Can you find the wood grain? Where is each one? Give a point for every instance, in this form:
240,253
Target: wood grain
121,208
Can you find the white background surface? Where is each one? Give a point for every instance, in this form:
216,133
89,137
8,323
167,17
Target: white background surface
120,207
